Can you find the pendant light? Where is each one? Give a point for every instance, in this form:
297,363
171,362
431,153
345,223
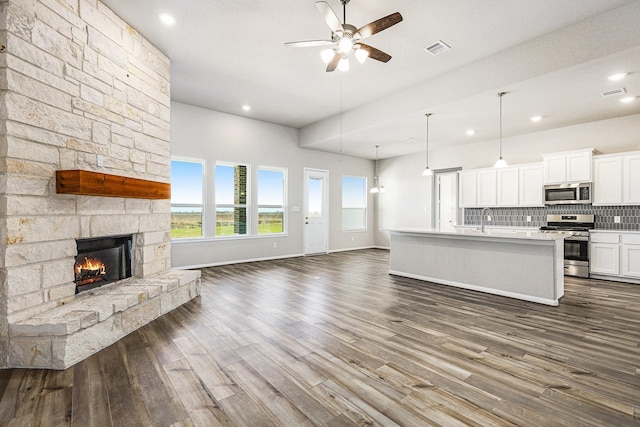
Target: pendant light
427,171
377,188
500,163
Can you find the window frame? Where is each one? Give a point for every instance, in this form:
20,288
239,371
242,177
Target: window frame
203,204
285,186
247,205
365,208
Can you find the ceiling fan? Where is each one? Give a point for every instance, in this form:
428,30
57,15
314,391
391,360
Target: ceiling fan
346,37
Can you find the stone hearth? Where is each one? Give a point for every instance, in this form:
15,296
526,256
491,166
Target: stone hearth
63,336
80,89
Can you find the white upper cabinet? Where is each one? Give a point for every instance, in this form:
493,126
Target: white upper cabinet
508,191
570,166
487,191
579,166
607,180
631,179
519,185
468,189
531,184
555,168
616,179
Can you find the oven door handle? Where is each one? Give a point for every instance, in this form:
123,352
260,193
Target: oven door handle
576,239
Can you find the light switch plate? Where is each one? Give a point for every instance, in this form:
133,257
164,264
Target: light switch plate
616,219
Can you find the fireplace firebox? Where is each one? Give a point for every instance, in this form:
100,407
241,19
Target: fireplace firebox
101,261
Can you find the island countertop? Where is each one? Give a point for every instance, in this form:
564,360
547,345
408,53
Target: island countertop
527,265
490,234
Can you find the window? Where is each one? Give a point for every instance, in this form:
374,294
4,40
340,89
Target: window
271,206
187,207
354,203
231,200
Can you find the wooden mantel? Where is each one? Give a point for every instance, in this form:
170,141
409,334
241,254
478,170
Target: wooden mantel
89,183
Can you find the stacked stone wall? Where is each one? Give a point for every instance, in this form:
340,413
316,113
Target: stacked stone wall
79,89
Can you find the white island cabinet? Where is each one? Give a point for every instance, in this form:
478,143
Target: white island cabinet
523,265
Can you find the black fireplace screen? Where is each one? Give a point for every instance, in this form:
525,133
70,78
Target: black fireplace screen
101,261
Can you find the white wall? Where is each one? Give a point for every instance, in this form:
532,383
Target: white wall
408,193
214,136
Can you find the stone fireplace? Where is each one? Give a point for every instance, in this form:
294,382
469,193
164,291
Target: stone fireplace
80,90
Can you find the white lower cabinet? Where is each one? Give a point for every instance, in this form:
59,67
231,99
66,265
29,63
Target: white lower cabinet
630,251
605,258
615,254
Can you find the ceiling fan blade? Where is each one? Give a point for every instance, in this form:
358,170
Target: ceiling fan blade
379,25
331,66
374,53
309,43
329,16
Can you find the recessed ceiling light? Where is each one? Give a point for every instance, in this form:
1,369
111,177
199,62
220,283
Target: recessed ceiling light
246,107
617,76
536,118
167,19
627,99
471,132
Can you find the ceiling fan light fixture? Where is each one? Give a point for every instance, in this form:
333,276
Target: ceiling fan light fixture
361,55
345,44
327,55
343,65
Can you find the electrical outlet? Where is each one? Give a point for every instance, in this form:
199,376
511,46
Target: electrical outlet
616,219
353,239
275,245
100,159
528,218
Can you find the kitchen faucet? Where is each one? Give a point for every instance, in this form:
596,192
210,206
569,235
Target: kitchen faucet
482,218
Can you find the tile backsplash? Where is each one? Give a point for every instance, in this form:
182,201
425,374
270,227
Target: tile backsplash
517,217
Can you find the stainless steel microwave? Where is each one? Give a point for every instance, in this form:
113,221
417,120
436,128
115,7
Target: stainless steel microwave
567,194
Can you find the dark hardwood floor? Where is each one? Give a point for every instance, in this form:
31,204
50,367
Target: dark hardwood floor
334,340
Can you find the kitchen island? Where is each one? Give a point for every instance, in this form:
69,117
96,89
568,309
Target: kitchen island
521,264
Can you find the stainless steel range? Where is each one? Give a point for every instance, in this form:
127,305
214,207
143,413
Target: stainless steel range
576,242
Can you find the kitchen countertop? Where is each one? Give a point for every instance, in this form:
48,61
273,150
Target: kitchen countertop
488,234
597,230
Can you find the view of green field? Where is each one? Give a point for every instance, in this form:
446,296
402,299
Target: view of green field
189,224
186,224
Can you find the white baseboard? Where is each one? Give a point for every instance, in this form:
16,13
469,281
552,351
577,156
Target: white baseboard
500,292
237,261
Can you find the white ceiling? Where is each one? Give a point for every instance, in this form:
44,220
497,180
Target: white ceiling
551,56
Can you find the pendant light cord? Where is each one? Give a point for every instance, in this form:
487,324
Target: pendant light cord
427,156
500,96
341,112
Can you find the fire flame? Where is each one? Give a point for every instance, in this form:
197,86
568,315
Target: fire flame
91,264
